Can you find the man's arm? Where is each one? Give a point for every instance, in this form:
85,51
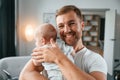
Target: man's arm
31,72
72,72
69,70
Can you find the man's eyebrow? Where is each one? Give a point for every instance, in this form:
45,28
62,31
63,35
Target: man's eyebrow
67,22
71,21
59,24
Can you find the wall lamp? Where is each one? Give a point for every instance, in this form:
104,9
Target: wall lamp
29,32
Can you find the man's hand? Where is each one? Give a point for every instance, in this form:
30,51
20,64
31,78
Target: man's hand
49,54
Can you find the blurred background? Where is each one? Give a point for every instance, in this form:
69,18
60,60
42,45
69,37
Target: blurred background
18,19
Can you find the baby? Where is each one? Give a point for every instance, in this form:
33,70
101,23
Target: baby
43,34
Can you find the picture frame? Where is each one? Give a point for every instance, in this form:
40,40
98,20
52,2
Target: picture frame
49,18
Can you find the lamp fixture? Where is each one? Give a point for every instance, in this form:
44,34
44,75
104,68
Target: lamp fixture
29,32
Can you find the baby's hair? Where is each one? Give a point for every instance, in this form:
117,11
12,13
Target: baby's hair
47,31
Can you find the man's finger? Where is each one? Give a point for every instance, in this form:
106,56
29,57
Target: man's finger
39,61
53,43
37,49
36,54
37,57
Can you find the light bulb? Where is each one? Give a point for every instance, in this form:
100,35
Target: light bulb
29,32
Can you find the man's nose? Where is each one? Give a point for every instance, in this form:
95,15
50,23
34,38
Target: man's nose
66,28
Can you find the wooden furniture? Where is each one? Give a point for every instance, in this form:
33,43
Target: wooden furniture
91,30
96,49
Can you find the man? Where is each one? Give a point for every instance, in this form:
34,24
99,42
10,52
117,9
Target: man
88,64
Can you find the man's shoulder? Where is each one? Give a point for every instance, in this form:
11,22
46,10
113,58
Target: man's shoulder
88,54
92,54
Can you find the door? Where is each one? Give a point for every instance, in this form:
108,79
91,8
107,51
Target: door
109,42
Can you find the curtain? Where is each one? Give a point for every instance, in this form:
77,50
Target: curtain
7,28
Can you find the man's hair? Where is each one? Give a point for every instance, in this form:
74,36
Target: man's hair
68,8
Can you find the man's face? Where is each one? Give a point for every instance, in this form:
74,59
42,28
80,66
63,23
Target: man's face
70,27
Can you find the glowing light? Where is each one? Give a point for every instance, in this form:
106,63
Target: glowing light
29,32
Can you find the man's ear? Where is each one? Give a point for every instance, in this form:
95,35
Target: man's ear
82,25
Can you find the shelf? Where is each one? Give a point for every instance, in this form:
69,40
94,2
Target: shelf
91,30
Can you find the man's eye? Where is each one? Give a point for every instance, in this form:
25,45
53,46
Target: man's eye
61,26
72,23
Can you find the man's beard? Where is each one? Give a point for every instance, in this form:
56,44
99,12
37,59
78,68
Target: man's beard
71,39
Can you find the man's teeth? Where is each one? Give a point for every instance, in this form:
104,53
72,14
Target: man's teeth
68,35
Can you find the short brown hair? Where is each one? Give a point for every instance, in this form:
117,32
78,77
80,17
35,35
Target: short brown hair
68,8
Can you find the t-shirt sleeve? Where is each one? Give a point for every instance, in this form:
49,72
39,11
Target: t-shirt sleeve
98,64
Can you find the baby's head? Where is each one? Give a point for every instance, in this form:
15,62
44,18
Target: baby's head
44,33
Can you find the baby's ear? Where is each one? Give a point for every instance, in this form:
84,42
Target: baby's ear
43,41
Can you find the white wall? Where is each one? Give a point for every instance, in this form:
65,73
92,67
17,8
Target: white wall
31,11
